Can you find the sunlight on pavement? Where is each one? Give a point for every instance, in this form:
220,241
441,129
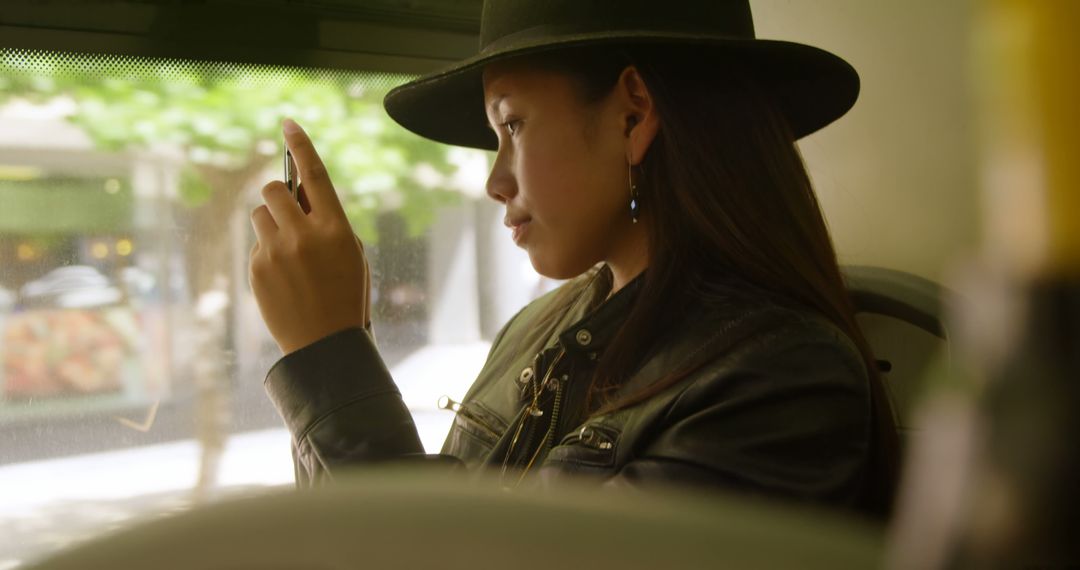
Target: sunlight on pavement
47,505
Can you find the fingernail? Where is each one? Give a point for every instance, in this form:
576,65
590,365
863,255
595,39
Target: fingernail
290,126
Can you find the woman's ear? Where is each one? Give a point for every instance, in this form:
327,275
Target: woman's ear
642,120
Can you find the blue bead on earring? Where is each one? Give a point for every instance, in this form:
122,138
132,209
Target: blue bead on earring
635,207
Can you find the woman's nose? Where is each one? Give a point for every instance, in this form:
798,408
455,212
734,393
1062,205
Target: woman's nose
501,185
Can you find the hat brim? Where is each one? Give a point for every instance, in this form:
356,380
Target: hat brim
811,86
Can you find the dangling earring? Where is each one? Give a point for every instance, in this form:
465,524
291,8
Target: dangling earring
635,207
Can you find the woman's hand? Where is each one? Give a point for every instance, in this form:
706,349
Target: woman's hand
308,270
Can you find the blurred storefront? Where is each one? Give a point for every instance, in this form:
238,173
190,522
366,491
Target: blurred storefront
84,326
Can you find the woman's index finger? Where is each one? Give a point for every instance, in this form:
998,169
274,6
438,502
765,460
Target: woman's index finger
318,187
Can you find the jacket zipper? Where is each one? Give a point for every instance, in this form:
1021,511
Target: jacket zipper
448,403
550,439
591,435
547,442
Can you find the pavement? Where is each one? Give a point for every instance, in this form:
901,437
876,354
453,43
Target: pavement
51,504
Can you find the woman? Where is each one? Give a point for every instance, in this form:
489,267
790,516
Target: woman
705,336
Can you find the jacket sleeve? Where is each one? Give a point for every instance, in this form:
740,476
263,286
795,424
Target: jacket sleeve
342,407
790,417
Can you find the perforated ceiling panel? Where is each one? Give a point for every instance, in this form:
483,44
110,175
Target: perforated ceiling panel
46,66
361,35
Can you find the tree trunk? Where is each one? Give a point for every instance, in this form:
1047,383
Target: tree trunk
210,260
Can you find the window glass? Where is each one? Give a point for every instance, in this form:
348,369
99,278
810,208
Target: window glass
131,350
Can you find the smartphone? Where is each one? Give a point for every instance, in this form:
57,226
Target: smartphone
290,175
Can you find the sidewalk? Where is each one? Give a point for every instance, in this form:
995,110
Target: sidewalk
47,505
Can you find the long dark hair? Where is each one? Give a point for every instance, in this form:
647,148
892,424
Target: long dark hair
728,194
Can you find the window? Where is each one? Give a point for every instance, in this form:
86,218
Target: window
131,349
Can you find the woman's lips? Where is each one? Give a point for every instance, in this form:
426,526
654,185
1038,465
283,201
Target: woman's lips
519,230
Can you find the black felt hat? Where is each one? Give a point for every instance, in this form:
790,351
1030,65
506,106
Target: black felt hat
812,87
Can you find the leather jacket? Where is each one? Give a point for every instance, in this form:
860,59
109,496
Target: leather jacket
779,406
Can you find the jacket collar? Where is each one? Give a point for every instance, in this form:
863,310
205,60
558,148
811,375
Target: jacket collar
591,333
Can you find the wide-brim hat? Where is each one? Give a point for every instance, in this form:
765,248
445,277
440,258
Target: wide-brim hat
811,86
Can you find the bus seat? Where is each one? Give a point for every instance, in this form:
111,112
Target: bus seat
903,318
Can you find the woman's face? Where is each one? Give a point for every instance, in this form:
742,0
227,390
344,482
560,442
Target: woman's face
561,169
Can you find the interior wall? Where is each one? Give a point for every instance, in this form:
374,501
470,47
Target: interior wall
896,176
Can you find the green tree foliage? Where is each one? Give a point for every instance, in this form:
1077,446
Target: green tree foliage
226,119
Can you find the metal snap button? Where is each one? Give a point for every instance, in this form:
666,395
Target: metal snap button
553,382
584,337
526,375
